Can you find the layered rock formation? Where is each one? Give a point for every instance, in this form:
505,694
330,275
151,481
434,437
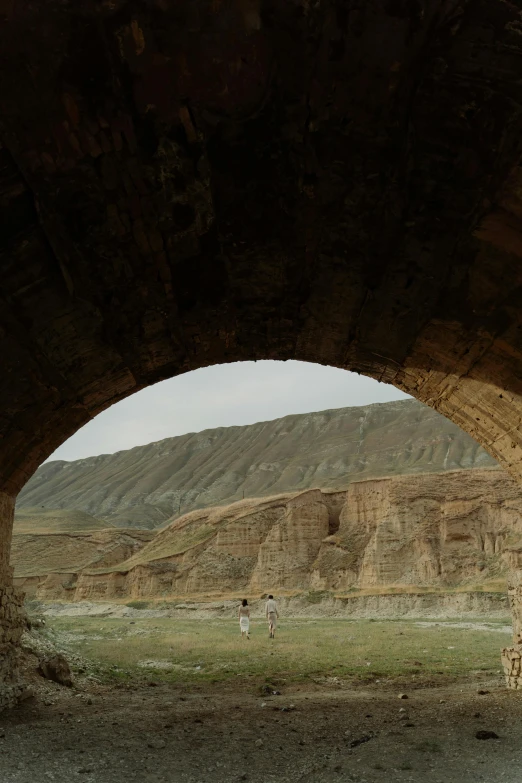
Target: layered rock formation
145,486
443,530
49,562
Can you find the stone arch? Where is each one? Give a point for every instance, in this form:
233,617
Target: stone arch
185,183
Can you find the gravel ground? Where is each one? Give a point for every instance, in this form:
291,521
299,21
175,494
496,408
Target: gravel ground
221,733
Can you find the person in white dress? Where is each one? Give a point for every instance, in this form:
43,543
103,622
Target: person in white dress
244,619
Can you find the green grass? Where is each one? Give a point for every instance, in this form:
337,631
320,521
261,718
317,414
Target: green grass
39,520
323,650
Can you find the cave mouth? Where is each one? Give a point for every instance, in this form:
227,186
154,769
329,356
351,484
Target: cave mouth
313,183
201,487
356,472
333,522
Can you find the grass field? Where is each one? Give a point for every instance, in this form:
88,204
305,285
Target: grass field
365,651
57,520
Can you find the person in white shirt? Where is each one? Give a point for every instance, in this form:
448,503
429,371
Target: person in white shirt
271,615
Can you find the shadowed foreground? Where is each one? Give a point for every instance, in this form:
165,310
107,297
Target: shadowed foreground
222,734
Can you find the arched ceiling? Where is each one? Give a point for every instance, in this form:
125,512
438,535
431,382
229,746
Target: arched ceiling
186,182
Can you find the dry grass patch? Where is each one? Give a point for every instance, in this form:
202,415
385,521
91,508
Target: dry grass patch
328,651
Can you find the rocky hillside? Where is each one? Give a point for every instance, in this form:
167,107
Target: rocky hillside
437,530
147,485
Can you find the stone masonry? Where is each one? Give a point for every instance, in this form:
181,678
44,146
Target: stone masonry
512,656
11,612
11,628
512,663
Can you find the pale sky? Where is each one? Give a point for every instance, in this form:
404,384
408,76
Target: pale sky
220,396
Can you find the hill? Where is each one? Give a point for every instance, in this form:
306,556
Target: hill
147,485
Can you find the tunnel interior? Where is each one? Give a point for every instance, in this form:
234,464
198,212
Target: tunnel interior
183,184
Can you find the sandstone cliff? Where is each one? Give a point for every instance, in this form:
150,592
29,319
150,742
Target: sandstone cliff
436,529
145,486
51,561
440,530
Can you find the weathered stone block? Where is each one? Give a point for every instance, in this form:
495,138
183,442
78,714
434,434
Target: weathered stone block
11,628
56,668
512,664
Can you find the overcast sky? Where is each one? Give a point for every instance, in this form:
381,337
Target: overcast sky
220,396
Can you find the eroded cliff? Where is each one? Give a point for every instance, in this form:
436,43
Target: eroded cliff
444,530
49,563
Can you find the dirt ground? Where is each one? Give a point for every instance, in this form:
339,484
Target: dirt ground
160,732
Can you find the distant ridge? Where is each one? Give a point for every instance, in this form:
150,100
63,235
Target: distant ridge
147,485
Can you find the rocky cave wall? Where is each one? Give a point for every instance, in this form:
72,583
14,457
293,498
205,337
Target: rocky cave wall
12,617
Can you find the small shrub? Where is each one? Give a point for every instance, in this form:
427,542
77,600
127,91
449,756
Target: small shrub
138,604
